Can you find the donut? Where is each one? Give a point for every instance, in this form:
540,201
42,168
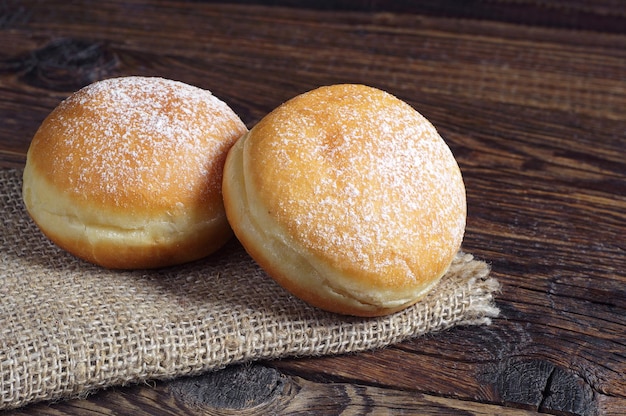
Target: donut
126,173
348,198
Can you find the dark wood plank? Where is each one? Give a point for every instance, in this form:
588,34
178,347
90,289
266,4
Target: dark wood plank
534,116
258,390
605,16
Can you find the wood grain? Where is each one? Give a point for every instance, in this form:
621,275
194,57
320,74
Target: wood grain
604,16
258,390
534,113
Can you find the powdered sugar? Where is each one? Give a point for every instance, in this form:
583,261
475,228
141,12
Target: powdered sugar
142,139
380,179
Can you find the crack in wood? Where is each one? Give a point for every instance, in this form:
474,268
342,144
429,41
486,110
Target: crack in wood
546,390
542,386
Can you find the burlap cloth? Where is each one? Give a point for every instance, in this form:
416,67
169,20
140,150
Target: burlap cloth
68,327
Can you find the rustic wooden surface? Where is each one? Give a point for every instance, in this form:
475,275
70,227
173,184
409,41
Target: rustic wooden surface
530,96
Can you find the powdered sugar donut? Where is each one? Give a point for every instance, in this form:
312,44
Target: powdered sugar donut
126,173
348,198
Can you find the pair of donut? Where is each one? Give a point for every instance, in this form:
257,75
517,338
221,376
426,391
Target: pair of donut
345,195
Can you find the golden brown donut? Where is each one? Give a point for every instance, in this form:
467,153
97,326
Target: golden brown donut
348,198
126,173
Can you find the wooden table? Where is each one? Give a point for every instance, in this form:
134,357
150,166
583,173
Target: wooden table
530,96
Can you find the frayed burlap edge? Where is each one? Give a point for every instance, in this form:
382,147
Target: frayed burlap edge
68,327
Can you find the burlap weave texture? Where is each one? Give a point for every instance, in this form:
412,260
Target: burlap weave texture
68,327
